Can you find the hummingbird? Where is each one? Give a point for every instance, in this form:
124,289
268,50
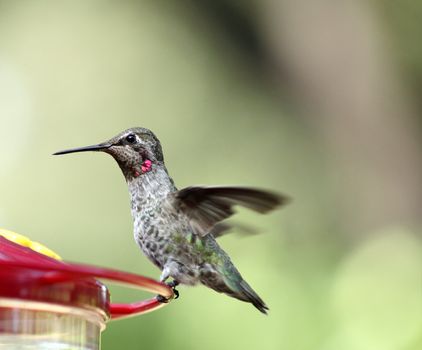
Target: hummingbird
177,229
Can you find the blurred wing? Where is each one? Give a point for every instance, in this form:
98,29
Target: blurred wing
206,206
223,228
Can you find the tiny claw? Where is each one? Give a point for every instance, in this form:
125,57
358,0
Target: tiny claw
173,284
162,299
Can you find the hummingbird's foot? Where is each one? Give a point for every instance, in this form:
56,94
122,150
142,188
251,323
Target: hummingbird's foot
165,300
162,299
173,285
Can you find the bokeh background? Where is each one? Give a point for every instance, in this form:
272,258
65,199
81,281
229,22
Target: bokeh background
319,99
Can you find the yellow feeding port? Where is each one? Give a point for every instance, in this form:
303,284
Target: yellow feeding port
26,242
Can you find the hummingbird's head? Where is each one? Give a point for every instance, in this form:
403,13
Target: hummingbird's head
136,150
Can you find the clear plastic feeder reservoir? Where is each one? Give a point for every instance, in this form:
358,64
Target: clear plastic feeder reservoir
46,303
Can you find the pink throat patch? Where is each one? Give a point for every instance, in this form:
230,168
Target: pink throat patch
146,166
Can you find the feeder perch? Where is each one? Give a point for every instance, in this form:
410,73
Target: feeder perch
47,303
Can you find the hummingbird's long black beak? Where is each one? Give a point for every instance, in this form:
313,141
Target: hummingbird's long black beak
99,147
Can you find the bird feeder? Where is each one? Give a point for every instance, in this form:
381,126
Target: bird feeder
46,303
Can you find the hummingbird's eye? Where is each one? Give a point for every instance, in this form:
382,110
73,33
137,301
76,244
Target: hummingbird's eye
131,138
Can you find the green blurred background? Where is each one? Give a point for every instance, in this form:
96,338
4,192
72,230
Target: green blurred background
319,100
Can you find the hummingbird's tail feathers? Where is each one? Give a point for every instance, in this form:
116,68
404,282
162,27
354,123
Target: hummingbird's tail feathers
230,282
223,277
250,296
